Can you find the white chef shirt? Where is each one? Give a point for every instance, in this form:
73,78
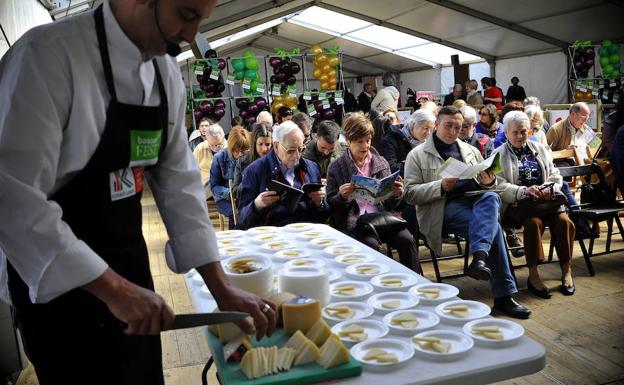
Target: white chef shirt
52,115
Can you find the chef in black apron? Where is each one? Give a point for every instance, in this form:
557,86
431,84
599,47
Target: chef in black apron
76,337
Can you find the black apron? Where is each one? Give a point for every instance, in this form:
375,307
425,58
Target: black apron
74,338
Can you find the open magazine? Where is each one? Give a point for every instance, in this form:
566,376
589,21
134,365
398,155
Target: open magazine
373,190
453,168
290,196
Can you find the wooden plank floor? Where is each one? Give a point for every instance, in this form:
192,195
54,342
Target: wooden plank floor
583,334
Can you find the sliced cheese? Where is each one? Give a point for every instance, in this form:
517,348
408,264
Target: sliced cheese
353,328
309,353
498,336
403,317
333,353
391,304
373,354
389,358
410,324
456,307
300,313
319,332
442,347
358,336
484,329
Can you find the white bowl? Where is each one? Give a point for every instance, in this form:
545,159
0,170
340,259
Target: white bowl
447,292
311,234
353,258
229,242
362,289
275,246
230,234
426,320
308,262
232,251
376,269
324,242
460,344
263,230
403,350
290,255
373,328
297,227
269,237
259,282
406,300
361,310
476,310
310,282
334,275
512,332
407,280
340,249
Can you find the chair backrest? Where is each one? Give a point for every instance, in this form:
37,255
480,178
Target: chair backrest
568,153
234,205
584,170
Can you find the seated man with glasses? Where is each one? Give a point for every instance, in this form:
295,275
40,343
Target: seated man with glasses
206,150
570,132
284,163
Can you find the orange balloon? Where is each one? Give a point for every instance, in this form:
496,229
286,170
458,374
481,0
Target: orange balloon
291,101
276,106
323,78
332,74
320,59
333,61
317,72
316,49
326,68
277,99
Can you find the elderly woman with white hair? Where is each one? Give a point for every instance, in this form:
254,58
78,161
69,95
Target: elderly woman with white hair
399,140
468,134
258,205
528,172
387,97
536,117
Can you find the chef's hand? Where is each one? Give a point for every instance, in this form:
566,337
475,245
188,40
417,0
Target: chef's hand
266,199
143,311
346,190
231,298
448,183
317,197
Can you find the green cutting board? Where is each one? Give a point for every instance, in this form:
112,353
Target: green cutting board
231,374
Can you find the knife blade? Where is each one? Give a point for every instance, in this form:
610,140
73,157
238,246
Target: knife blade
183,321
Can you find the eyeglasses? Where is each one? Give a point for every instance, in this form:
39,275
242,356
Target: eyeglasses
217,147
293,150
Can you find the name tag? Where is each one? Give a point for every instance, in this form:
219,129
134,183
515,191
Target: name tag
144,147
126,182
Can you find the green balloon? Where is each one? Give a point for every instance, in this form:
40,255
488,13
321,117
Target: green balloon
615,48
248,54
615,58
238,64
604,51
607,43
239,75
607,69
251,63
604,60
616,65
253,85
251,74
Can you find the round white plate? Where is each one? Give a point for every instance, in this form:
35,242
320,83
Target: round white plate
378,268
230,234
269,237
476,310
446,292
231,251
460,344
263,230
353,258
403,350
311,234
229,242
361,310
334,275
426,320
324,242
340,249
297,227
291,254
275,246
307,262
407,301
511,331
374,329
197,279
407,280
204,292
362,289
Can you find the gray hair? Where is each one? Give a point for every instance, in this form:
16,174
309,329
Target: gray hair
469,114
301,118
264,114
532,110
215,130
388,79
513,118
281,131
420,117
576,107
532,100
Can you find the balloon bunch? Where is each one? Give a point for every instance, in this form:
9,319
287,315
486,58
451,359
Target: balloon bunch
583,59
324,109
284,70
249,108
209,74
280,101
610,59
326,66
247,70
211,109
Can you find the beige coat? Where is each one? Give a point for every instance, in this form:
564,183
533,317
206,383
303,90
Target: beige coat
387,97
559,135
203,156
423,188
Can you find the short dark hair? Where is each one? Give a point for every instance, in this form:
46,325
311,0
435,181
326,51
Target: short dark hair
449,111
284,111
487,81
301,118
237,121
258,130
328,130
511,106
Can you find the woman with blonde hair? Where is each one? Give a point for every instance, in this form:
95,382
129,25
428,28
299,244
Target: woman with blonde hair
223,168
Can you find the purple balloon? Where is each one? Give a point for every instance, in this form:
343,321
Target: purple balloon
221,64
294,68
275,61
281,77
273,79
253,108
197,114
285,68
241,104
318,106
205,107
589,63
291,80
261,103
218,113
250,120
578,65
589,52
276,71
243,113
328,113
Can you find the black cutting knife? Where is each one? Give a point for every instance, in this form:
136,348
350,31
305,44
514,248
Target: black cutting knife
183,321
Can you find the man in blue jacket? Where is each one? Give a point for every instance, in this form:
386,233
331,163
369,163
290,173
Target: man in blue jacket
259,206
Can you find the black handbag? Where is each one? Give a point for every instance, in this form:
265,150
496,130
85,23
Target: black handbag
542,208
381,225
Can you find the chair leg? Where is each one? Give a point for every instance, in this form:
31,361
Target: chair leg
619,225
587,256
551,249
205,371
458,244
436,269
609,233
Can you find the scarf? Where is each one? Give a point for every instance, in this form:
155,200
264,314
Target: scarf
408,135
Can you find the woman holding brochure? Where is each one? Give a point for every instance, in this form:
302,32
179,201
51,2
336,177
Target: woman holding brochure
528,173
363,160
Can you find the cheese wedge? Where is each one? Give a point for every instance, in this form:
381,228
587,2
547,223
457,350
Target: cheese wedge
430,293
456,308
291,253
484,329
348,315
308,353
494,336
358,336
391,304
259,362
333,353
403,317
348,330
442,347
381,356
410,324
389,358
300,313
460,313
319,332
373,354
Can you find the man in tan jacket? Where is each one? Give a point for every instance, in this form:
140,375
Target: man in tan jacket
565,133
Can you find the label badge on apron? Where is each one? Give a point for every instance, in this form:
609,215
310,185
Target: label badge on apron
144,147
125,182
